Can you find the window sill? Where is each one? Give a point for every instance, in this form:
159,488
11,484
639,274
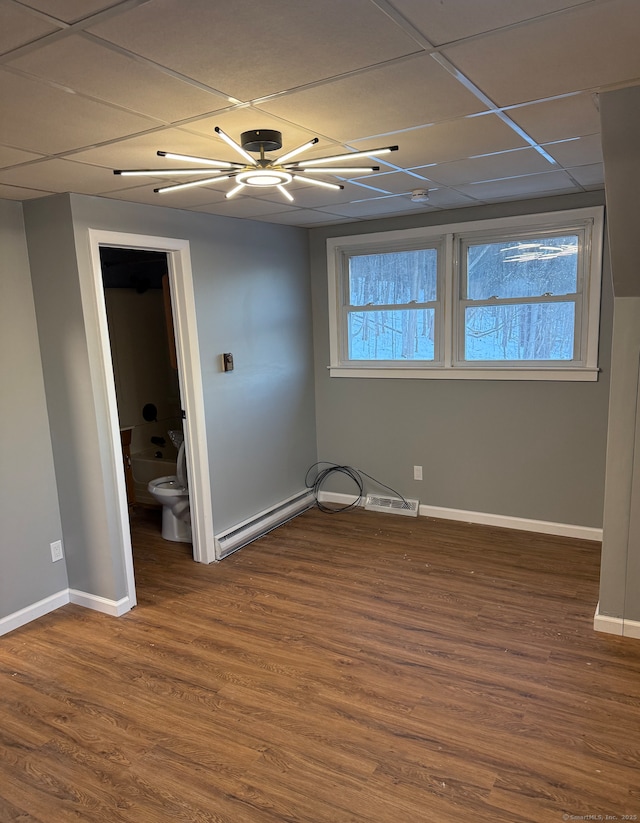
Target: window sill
566,374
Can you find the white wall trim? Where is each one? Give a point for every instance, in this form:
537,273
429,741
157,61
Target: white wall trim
33,612
568,374
506,521
191,389
616,625
485,519
115,608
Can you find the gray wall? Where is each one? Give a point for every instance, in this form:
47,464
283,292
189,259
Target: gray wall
29,510
89,522
525,449
620,568
253,299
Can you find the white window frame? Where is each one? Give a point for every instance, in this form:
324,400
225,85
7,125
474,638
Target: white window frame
451,238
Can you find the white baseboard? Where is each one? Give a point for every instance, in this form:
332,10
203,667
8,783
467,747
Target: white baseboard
484,519
506,521
616,625
33,612
342,499
115,608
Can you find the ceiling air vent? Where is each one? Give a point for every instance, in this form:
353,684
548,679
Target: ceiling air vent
392,505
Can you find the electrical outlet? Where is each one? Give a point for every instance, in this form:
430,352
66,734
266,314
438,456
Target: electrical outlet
56,550
417,472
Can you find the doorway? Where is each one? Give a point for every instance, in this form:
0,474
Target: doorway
145,366
177,256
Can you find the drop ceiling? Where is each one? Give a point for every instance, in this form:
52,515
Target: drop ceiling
488,101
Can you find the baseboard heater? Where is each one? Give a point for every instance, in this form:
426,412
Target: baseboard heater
262,523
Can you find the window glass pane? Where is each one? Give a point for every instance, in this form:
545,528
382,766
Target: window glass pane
406,334
533,331
393,277
523,268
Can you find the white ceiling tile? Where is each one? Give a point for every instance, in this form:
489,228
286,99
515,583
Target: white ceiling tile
443,198
19,193
88,68
63,175
70,10
183,199
558,119
394,182
140,152
443,22
453,140
11,157
376,207
236,121
586,48
489,167
247,207
290,43
591,177
385,99
74,96
19,26
312,196
48,120
582,151
305,217
519,187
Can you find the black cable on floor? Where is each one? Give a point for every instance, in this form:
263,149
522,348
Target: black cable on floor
353,474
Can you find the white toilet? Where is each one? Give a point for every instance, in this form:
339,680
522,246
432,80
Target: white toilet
172,492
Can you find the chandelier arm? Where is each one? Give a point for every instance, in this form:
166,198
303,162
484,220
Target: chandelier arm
288,155
315,182
163,172
318,161
286,193
223,164
341,170
231,142
193,183
233,192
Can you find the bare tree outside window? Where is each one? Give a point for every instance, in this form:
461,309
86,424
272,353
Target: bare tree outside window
397,283
533,275
504,298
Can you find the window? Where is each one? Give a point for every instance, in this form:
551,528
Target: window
392,299
516,298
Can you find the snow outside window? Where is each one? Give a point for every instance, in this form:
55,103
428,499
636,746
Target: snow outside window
516,298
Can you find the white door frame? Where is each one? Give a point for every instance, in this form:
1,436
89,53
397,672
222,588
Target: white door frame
191,389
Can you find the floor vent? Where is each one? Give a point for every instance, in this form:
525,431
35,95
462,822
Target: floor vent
392,505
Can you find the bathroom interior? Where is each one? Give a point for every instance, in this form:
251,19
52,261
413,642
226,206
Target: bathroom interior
138,305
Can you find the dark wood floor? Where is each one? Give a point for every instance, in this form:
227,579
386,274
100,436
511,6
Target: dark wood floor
356,668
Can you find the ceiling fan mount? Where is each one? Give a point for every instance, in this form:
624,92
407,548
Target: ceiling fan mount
261,140
263,172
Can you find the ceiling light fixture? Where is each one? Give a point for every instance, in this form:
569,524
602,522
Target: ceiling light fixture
260,173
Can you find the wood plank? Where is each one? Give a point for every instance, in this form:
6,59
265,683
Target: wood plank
356,668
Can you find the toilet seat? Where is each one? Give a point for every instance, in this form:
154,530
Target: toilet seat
172,493
168,486
181,468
